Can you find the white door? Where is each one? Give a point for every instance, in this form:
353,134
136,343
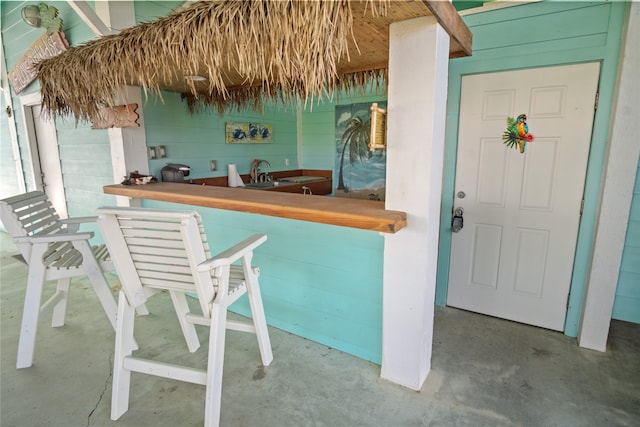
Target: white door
514,256
45,157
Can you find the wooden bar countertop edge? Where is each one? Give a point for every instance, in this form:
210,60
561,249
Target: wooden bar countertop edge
362,214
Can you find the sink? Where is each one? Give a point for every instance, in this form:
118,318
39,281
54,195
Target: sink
260,185
303,178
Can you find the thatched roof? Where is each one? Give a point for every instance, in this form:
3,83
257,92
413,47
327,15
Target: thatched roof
246,50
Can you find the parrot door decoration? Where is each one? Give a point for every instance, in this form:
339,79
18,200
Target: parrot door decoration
517,134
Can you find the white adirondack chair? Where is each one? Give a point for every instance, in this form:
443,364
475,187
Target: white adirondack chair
156,250
54,250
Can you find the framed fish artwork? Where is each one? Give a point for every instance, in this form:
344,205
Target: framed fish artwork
248,133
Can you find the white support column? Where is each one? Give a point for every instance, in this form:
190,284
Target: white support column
620,174
418,78
128,145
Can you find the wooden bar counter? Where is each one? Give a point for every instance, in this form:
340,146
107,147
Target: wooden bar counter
362,214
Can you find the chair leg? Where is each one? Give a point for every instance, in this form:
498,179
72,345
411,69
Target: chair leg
215,364
31,309
142,310
259,319
96,277
123,348
188,329
60,309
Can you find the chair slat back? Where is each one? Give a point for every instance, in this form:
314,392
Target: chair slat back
158,250
28,214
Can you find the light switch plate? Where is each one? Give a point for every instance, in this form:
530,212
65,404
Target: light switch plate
213,165
162,151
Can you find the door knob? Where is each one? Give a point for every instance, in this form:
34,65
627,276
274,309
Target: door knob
457,221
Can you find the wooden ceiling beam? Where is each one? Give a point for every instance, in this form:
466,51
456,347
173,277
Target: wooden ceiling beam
451,21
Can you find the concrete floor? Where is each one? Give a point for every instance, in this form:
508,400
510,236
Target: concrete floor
485,372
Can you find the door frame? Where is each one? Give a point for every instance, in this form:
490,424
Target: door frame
27,102
592,69
608,55
597,155
11,121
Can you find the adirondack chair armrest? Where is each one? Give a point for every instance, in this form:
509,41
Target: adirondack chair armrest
79,220
51,238
234,253
73,224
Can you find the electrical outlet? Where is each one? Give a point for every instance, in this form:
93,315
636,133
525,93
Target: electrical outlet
153,154
286,162
213,165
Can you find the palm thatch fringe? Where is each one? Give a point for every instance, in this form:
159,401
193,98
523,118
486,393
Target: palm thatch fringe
281,50
254,97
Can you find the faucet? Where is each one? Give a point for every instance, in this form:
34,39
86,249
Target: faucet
255,169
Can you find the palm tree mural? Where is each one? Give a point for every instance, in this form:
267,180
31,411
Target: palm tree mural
356,136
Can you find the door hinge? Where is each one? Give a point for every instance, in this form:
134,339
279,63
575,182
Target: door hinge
595,104
581,207
568,299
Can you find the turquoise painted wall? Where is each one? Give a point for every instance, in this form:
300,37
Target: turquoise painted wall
85,157
195,139
147,10
627,303
318,281
538,35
